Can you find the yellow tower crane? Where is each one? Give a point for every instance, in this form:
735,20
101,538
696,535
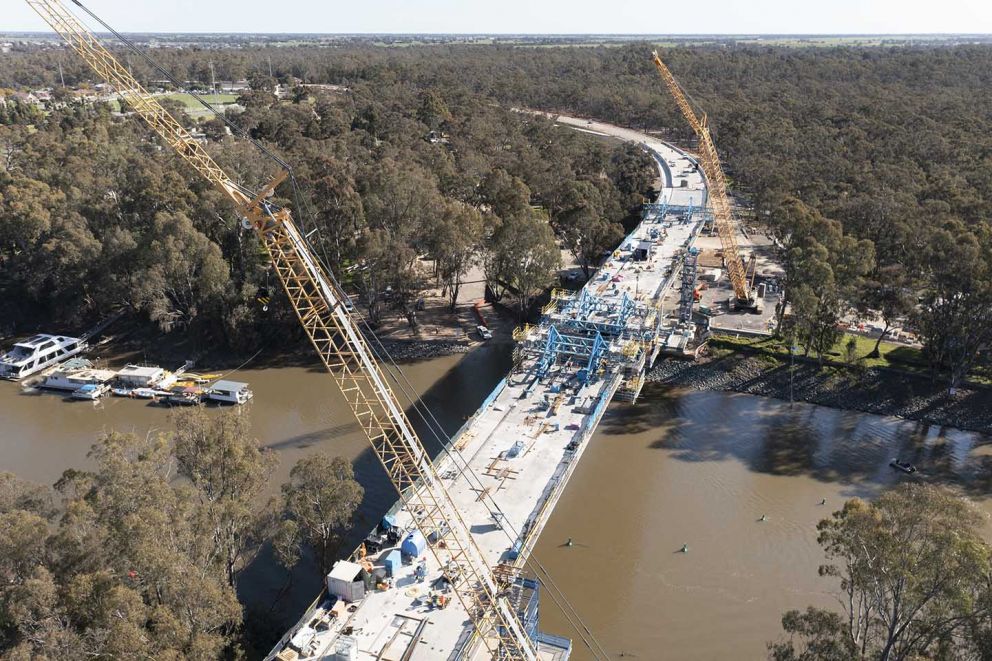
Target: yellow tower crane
716,184
320,305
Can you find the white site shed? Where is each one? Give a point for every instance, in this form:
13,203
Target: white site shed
140,376
345,581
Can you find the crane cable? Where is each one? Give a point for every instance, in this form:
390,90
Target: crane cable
381,352
444,439
419,406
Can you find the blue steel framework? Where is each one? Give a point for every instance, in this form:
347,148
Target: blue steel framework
659,210
577,312
583,347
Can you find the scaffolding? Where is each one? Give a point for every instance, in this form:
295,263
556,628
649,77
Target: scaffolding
688,291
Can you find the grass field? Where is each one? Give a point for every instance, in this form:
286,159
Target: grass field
194,108
891,355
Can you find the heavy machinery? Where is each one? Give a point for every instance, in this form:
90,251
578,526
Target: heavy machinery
323,311
716,184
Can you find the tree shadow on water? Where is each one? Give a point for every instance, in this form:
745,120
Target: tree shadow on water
769,436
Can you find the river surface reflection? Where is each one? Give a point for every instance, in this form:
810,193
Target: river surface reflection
702,469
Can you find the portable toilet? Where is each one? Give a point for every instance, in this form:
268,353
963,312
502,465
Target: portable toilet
388,522
392,561
414,544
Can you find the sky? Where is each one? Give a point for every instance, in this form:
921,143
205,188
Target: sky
529,16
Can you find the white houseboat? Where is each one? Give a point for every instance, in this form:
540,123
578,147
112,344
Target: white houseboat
141,376
229,392
37,353
69,378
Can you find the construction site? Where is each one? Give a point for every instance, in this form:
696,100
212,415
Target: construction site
505,469
448,573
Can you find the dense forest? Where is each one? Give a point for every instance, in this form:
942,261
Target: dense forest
126,561
870,165
96,215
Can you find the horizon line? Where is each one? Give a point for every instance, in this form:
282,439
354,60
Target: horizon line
537,34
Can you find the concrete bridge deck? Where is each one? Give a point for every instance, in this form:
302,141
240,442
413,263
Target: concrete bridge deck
524,442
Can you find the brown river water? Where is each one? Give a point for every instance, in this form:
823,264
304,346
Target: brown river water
677,468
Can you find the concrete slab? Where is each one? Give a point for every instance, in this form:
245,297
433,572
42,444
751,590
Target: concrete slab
510,463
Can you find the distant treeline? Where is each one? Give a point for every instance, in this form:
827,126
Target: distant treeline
408,186
871,165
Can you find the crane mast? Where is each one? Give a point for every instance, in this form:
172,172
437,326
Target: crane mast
319,304
709,161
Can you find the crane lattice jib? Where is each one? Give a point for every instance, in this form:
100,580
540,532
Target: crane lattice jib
318,302
709,161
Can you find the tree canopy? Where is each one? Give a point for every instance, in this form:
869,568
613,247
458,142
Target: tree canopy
914,575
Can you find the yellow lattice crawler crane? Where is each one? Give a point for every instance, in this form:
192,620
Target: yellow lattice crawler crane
716,185
323,311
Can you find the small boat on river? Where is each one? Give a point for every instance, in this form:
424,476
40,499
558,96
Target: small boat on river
91,391
184,397
145,393
903,466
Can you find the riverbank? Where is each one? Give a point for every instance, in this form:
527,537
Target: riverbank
873,390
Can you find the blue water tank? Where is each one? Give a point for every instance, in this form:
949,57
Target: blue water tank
393,561
414,544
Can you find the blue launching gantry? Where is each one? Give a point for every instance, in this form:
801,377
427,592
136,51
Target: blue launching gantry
656,211
589,349
591,314
682,212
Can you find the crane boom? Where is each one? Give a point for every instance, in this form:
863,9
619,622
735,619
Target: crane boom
319,304
709,160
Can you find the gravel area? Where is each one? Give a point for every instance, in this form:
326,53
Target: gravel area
873,391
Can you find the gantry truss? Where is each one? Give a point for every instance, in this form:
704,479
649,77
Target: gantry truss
590,333
589,313
583,349
659,211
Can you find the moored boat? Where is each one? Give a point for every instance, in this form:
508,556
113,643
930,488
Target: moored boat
229,392
36,353
183,397
140,376
91,391
75,374
145,393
